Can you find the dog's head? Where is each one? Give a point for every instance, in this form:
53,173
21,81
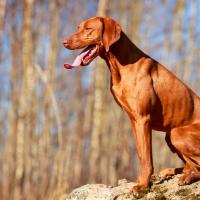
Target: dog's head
95,35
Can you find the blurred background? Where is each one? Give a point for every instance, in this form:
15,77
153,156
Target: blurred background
60,129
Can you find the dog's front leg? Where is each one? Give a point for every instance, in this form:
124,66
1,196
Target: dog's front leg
142,135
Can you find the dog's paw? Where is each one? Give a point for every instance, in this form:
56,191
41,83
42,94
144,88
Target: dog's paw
167,172
186,179
140,190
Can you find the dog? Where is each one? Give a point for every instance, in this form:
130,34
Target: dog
153,97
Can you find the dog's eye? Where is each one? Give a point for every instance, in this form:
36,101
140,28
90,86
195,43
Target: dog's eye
88,28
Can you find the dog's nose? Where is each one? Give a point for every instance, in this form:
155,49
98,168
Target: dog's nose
66,43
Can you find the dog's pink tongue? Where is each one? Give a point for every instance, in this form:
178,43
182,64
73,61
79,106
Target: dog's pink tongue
78,60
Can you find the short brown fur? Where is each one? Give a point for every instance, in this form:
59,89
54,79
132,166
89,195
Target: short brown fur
153,97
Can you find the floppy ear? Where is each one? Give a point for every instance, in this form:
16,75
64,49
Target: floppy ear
111,32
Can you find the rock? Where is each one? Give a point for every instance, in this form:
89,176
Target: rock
160,190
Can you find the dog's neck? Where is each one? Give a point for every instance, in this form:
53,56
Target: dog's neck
119,56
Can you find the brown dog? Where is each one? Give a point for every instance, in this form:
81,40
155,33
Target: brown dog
153,97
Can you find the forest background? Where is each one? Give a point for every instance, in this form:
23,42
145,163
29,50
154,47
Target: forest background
59,128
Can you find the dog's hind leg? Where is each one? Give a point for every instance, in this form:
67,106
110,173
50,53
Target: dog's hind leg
171,171
186,141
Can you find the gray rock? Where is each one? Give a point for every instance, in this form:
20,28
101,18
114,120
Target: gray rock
160,190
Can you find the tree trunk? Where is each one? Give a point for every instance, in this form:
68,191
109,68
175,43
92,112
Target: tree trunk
25,125
95,147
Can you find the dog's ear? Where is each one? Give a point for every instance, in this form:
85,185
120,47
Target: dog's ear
111,32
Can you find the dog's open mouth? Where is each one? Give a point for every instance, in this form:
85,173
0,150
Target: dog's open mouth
85,57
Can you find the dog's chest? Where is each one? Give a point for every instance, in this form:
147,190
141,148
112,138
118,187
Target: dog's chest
117,93
123,96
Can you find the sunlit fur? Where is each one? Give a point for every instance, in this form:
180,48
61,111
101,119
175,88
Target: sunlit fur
153,97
